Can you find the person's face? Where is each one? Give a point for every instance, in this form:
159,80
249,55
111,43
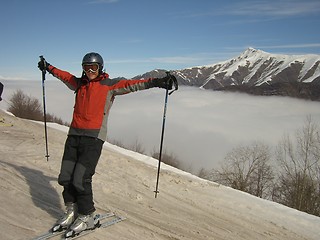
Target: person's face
91,70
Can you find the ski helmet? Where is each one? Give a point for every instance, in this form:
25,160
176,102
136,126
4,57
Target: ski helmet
93,57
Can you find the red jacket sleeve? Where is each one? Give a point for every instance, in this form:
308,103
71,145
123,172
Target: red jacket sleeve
65,77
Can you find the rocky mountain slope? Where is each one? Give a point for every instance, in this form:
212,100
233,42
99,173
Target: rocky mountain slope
256,72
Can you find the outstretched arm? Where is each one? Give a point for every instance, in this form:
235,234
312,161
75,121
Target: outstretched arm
127,86
65,77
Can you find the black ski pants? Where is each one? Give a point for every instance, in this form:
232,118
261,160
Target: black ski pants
80,158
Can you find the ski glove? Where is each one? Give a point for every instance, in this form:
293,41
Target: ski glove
165,82
43,65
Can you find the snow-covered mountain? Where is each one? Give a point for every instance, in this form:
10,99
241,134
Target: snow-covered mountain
256,72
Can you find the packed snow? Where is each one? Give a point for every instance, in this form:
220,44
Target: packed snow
187,207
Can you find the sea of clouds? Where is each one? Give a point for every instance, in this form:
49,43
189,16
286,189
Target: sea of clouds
202,126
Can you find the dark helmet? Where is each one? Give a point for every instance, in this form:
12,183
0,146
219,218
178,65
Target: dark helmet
93,57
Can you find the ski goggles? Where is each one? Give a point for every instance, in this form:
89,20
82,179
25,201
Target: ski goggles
90,67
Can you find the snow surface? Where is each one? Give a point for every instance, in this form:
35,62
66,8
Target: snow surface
187,207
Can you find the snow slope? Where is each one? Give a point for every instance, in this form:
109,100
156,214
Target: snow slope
186,208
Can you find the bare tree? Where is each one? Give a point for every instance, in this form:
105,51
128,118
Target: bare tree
55,119
168,158
247,168
299,179
137,147
25,106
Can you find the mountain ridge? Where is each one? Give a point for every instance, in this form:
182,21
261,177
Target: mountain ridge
255,72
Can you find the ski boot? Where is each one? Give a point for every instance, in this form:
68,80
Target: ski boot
83,223
67,219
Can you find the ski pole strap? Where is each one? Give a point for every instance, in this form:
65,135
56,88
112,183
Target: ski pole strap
174,81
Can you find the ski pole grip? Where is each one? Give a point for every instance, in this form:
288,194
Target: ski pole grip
42,59
45,67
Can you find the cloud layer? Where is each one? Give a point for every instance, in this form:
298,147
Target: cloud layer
201,125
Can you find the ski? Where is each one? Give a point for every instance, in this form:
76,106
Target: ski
102,224
51,234
48,235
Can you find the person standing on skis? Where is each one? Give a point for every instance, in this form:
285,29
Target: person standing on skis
95,93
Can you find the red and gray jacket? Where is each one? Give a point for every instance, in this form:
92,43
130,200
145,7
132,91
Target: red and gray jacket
94,99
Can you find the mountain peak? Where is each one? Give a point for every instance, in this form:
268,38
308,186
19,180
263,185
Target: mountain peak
251,51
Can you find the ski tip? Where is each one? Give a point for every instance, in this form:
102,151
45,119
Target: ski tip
69,234
56,228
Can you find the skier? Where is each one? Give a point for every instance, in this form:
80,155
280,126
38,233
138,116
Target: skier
95,93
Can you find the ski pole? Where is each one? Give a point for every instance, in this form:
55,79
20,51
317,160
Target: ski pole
163,125
44,107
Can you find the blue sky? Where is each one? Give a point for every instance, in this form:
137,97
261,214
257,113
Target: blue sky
136,36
